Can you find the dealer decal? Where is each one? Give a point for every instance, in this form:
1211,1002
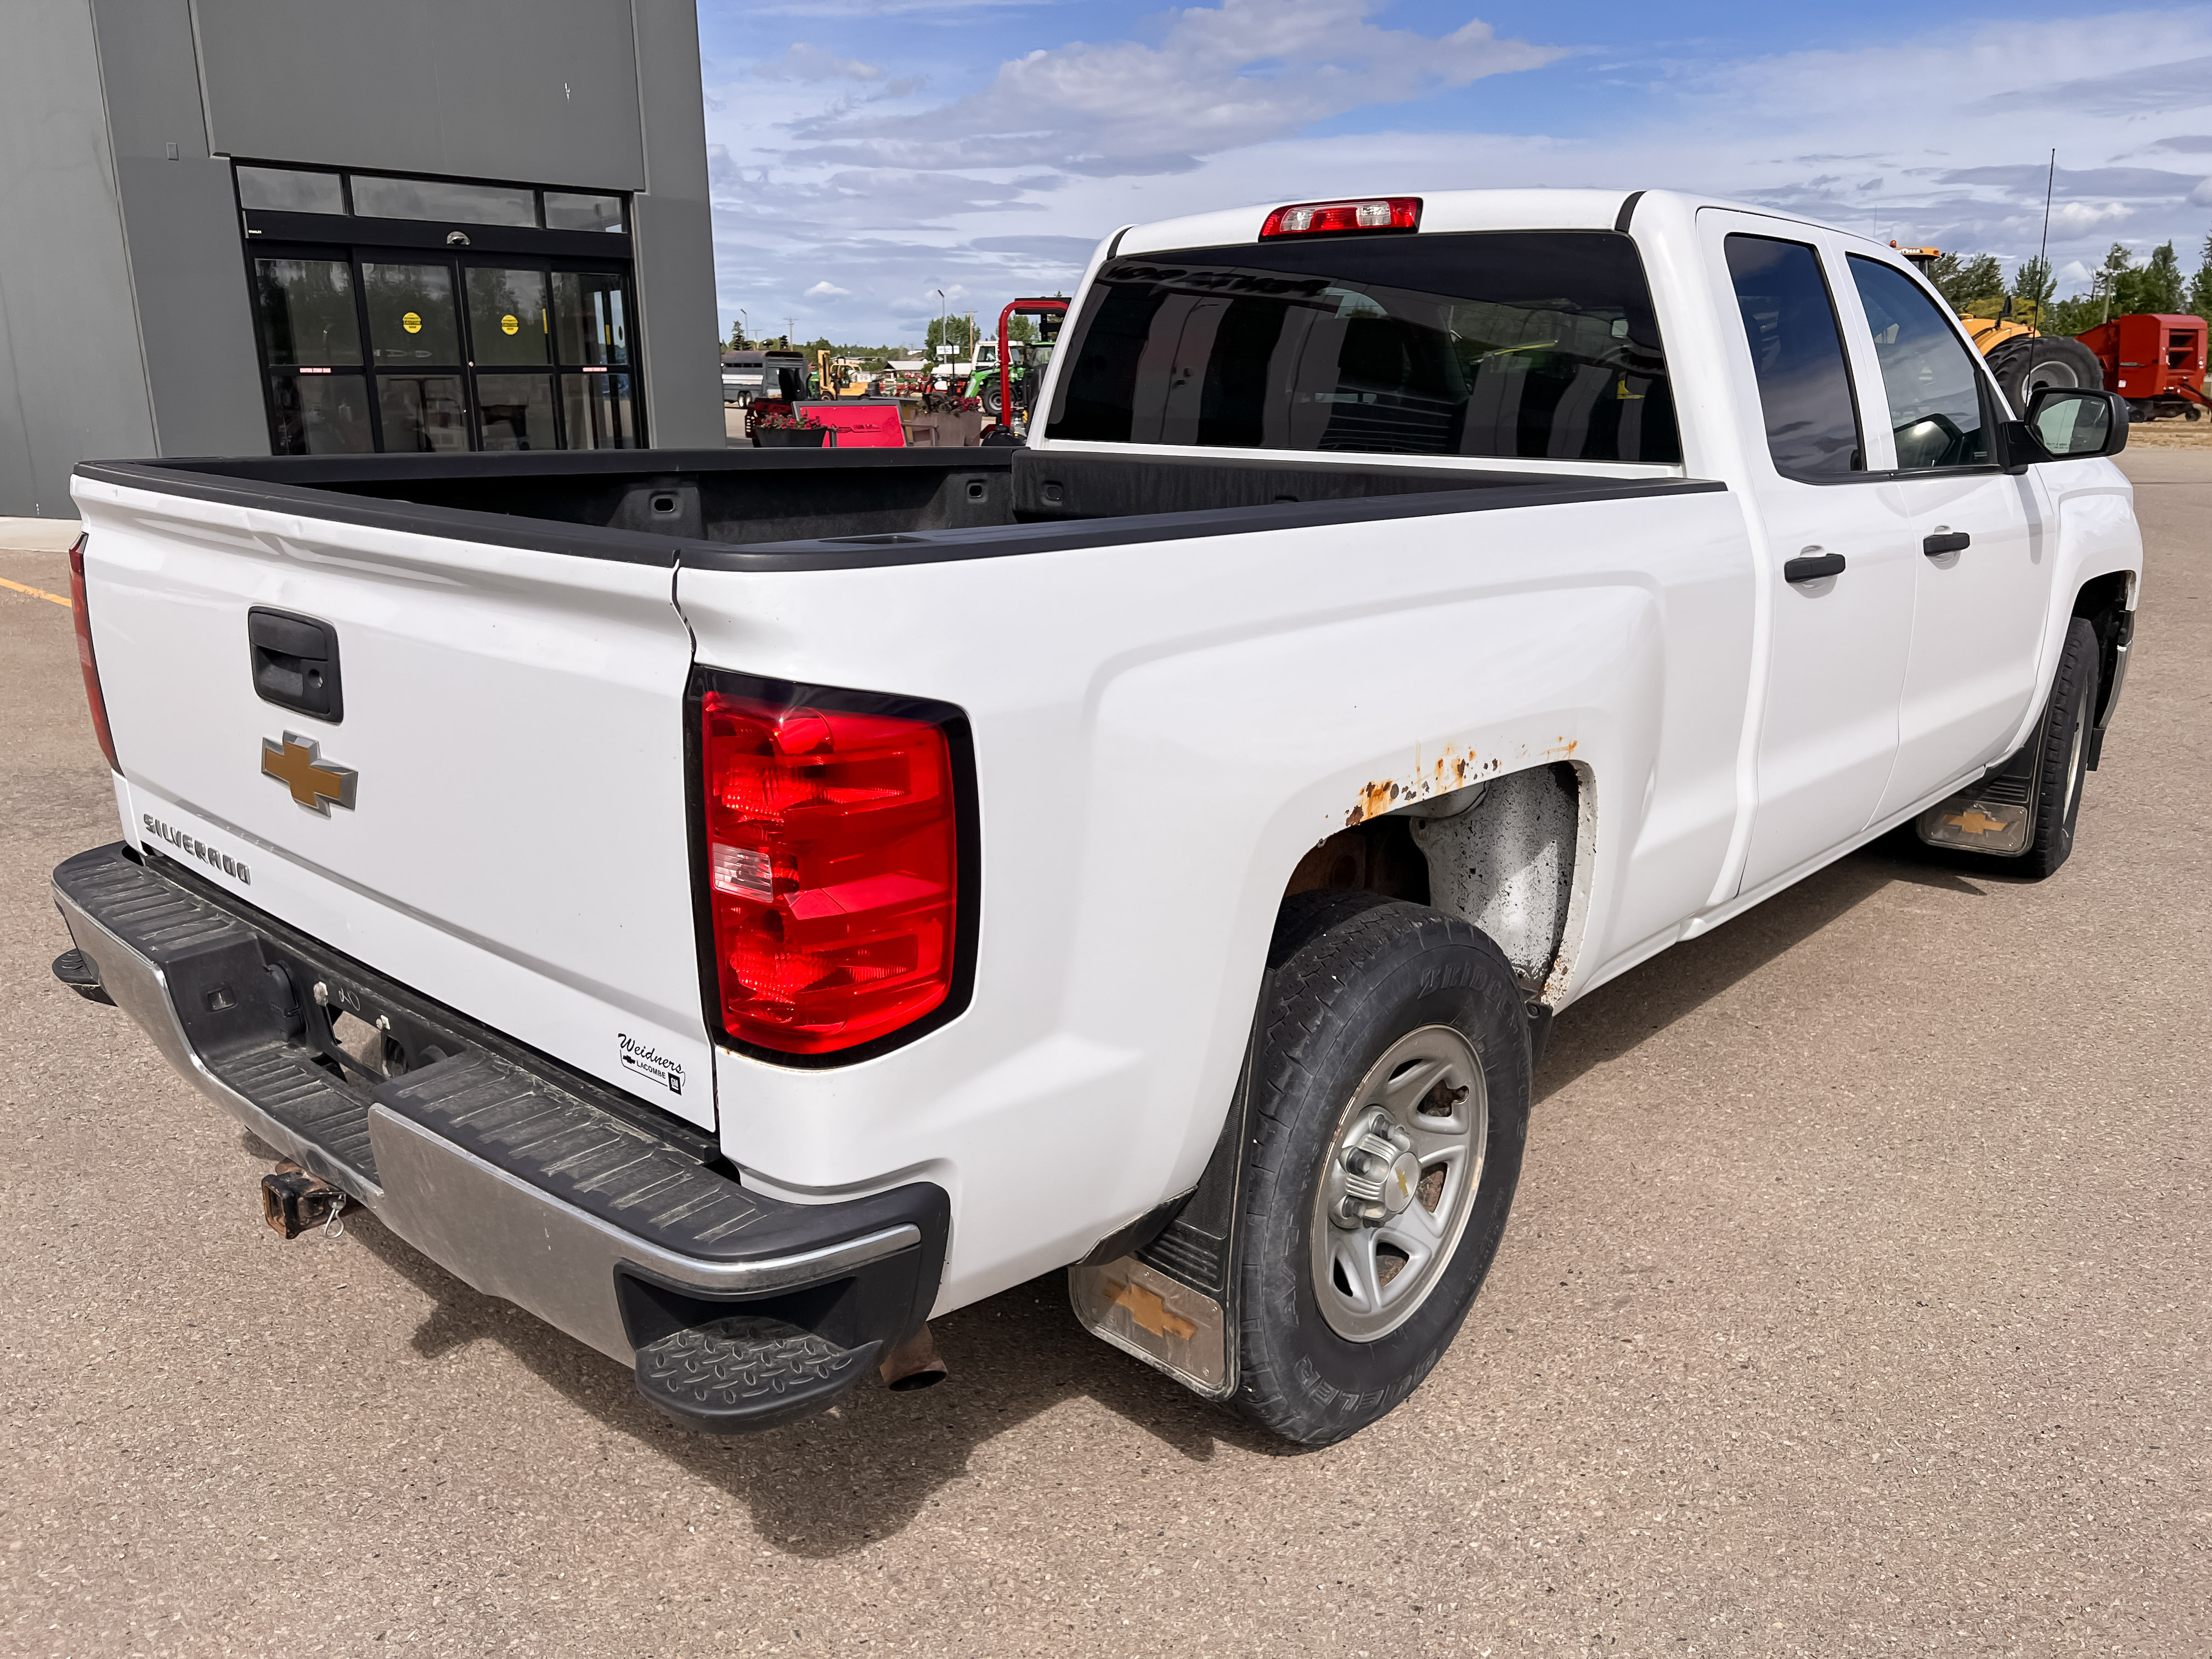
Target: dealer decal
649,1063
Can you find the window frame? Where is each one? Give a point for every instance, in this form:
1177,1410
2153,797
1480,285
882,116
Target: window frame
1995,409
1068,348
1847,344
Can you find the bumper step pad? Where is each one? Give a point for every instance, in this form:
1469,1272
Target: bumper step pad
604,1215
746,1373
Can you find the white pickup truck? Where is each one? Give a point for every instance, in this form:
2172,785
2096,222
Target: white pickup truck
737,905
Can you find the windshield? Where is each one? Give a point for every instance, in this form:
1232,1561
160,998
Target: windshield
1518,343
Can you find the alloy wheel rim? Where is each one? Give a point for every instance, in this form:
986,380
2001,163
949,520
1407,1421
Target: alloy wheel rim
1397,1183
2073,764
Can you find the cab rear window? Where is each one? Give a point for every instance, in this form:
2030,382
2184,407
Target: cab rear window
1511,343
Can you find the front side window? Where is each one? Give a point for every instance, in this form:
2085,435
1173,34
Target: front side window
1514,345
1797,359
1935,393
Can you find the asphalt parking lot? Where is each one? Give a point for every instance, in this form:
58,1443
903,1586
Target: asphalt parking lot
1855,1303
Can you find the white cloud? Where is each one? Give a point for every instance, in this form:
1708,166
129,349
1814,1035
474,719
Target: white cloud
1005,190
804,62
828,290
1220,78
2079,218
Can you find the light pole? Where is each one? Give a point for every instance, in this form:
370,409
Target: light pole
944,322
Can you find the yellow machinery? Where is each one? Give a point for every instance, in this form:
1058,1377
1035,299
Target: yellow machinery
2023,360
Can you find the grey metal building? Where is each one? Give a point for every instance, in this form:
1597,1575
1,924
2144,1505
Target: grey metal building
247,226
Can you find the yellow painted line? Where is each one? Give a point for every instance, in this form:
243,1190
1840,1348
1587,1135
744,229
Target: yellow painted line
35,592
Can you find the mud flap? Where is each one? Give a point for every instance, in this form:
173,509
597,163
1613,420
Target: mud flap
1996,813
1171,1301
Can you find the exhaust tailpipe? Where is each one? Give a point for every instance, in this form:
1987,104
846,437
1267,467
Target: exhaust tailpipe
914,1364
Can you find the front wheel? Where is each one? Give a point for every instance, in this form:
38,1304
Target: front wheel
1391,1111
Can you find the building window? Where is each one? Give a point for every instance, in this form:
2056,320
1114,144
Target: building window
421,337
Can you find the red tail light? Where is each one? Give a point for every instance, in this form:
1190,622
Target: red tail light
1333,218
833,869
83,612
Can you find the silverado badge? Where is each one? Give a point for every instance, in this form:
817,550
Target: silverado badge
314,783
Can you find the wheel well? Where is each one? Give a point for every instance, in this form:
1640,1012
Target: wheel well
1503,854
2103,602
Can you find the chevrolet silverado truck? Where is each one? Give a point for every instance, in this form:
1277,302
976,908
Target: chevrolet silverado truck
740,905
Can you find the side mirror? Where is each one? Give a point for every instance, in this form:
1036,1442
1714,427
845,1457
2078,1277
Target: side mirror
2070,423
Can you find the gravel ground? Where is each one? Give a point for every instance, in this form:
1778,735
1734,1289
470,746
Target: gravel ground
1854,1304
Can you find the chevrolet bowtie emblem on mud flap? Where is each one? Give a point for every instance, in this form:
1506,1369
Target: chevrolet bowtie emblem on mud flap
315,784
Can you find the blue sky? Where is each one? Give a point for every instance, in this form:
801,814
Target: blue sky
865,153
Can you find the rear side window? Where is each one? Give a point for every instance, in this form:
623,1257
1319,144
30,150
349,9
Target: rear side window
1519,344
1797,356
1935,393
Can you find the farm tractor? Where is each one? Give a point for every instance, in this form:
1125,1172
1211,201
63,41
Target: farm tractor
2022,359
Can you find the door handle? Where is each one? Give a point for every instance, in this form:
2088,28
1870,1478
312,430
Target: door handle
1812,568
1944,542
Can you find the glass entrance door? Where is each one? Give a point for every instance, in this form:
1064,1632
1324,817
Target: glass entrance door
414,339
494,353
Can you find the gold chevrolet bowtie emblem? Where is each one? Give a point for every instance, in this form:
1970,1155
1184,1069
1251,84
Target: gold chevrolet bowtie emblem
315,784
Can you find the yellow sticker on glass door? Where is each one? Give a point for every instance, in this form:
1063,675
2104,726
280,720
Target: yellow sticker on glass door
411,322
508,322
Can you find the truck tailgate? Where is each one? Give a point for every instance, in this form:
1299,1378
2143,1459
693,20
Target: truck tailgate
513,840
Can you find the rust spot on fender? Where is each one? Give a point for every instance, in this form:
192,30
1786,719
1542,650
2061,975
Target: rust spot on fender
1375,799
1452,769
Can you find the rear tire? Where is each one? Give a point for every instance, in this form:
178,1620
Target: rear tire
1391,1022
2024,366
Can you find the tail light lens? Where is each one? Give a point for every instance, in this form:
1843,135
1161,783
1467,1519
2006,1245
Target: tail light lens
83,612
833,870
1333,218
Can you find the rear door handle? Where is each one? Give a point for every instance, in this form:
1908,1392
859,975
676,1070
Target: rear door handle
1948,542
1812,569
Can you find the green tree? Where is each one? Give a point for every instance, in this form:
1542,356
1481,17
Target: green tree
737,340
2032,285
2200,285
1974,284
2112,285
2158,286
2075,316
947,330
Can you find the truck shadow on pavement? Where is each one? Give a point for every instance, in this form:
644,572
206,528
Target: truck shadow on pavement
833,1483
1622,1013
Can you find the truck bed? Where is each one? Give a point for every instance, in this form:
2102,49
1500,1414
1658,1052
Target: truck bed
830,509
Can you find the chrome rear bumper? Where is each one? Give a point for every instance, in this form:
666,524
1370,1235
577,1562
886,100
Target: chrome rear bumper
600,1215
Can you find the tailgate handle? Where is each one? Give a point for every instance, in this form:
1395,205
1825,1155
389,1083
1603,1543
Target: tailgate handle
295,663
